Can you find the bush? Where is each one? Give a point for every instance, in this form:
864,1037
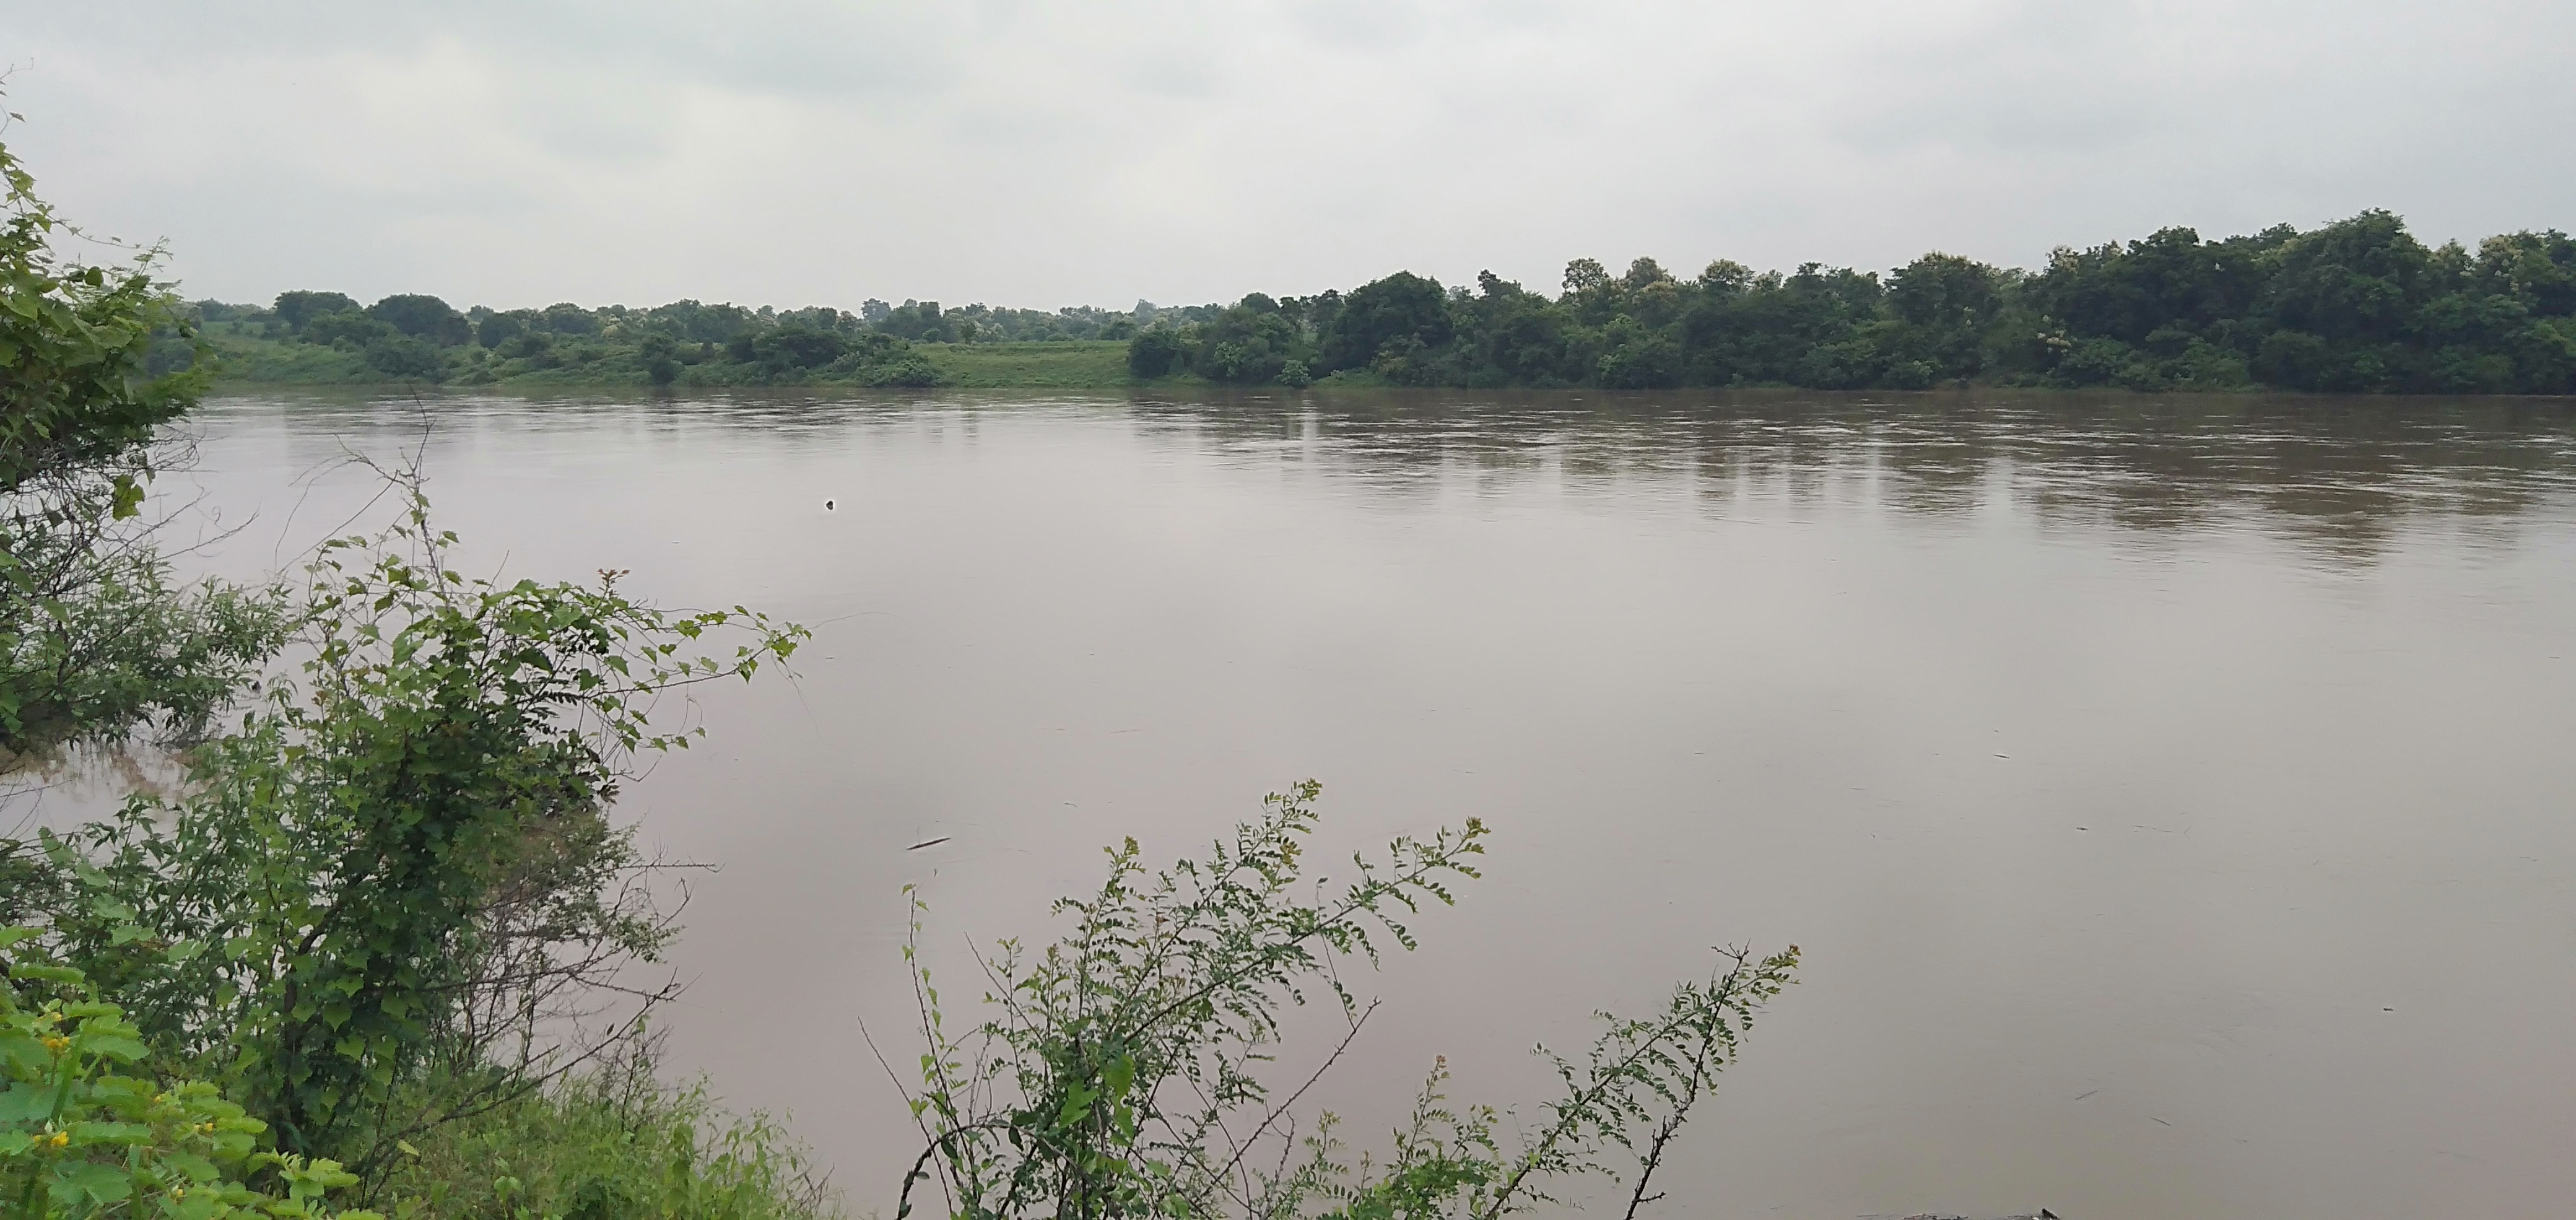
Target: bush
350,328
406,358
1119,1071
661,356
437,783
909,370
85,1131
795,348
2095,362
1155,352
2294,360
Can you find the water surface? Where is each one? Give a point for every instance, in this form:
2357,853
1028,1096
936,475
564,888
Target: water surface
2172,797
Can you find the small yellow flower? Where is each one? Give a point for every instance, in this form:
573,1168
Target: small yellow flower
56,1045
60,1138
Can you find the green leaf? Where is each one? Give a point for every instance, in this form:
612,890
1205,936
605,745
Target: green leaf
25,1102
24,1051
74,1180
84,1134
196,1205
191,1166
114,1046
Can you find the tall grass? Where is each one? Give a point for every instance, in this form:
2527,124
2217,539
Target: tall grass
611,1143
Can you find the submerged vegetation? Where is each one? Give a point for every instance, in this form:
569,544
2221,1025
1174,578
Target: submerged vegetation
2356,306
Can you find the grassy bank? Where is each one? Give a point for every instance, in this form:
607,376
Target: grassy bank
247,358
1092,365
612,1143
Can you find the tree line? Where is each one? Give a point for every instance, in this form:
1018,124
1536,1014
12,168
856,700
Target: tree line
2359,305
418,337
2356,306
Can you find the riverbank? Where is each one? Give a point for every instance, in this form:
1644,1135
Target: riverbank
249,359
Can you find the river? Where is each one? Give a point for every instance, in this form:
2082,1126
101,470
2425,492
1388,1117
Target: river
2171,796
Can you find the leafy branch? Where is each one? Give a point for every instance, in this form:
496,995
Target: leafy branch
1122,1071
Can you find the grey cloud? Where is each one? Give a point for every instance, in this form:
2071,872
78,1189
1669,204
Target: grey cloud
1038,154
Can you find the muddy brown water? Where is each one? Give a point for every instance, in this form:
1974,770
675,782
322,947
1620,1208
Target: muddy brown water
2174,798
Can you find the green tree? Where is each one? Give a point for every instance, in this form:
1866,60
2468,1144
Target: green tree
661,356
1946,304
96,639
500,328
423,317
297,308
794,347
351,330
1638,357
566,318
405,358
1402,308
1156,352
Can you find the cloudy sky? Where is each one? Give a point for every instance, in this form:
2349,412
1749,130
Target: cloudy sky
518,152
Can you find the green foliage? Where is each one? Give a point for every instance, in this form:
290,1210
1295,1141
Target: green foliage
921,322
422,317
350,330
661,355
1121,1070
73,340
404,358
2357,305
1380,319
389,904
125,648
686,343
95,639
608,1143
297,308
379,872
1155,353
1085,364
86,1132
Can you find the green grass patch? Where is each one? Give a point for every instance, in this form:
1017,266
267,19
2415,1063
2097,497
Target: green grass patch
253,359
1065,365
610,1144
249,358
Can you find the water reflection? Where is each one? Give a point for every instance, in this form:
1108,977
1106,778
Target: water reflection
2341,475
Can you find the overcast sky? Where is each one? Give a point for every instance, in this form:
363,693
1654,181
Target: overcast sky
517,152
